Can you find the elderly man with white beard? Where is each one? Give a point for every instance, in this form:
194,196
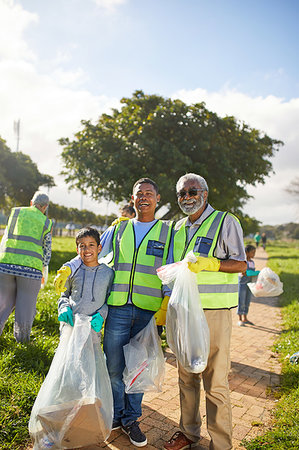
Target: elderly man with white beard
216,238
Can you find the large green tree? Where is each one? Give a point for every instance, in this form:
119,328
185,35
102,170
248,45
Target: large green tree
19,178
164,139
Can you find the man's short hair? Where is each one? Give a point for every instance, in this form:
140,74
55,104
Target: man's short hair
147,180
193,177
88,231
40,198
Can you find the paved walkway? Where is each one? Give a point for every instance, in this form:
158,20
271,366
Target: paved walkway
254,368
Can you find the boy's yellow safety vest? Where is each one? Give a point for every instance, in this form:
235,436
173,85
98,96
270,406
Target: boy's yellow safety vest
23,240
217,290
135,268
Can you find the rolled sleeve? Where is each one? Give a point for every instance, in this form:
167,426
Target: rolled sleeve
230,243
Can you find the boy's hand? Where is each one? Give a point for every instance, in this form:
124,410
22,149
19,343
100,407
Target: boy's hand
118,220
59,281
210,264
66,315
160,315
97,322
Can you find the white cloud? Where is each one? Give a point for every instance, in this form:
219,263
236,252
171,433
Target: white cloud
277,118
109,6
13,22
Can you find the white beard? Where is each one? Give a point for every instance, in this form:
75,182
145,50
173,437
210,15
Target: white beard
190,207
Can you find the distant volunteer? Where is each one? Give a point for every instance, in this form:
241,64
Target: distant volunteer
25,253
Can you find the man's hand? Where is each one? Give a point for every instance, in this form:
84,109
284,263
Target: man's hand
160,315
97,322
118,220
210,264
59,281
66,315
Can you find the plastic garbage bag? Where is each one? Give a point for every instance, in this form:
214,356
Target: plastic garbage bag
74,407
267,284
145,364
187,330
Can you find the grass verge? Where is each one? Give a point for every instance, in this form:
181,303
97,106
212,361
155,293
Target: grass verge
284,434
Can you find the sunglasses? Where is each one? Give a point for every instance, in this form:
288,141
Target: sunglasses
191,192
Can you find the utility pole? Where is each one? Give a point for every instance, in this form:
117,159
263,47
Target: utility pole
16,127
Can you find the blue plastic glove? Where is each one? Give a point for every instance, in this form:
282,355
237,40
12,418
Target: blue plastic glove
97,322
66,315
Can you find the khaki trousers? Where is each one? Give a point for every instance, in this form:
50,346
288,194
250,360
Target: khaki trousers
215,382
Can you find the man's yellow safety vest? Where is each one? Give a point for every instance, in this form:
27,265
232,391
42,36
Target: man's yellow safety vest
218,290
135,268
23,239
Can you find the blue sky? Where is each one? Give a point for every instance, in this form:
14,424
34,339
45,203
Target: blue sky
63,61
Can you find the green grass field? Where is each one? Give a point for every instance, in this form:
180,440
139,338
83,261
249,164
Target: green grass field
24,366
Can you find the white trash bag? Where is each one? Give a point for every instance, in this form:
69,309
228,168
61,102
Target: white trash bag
267,284
187,330
74,407
145,364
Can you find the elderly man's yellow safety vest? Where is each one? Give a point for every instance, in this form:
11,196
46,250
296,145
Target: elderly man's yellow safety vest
135,268
217,290
23,240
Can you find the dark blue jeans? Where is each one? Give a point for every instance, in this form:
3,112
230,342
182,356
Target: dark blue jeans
244,299
122,323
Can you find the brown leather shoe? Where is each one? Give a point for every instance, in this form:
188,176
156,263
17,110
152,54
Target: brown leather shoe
178,442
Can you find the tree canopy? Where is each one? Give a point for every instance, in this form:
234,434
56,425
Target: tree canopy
19,178
163,139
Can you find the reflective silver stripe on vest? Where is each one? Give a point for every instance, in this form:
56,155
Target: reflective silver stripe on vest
152,292
162,238
217,288
213,228
20,237
22,252
214,225
119,234
138,268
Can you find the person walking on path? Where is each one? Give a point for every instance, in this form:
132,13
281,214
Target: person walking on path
25,252
217,240
264,240
244,291
139,246
257,238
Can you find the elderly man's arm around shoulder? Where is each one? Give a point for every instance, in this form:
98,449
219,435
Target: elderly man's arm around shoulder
232,266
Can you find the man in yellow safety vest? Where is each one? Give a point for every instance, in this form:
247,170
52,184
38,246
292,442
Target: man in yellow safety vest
216,238
139,246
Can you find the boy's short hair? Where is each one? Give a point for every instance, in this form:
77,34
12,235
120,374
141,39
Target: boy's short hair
249,248
88,231
146,180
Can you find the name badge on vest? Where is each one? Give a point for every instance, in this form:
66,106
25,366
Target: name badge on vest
155,248
202,245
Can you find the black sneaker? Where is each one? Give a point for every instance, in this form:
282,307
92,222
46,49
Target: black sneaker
116,424
135,434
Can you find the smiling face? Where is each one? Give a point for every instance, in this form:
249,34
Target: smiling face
145,200
191,198
88,250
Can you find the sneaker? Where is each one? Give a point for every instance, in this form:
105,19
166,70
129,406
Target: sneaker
241,324
248,322
116,424
178,442
135,434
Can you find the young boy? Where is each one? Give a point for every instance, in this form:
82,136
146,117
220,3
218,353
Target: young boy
87,289
244,291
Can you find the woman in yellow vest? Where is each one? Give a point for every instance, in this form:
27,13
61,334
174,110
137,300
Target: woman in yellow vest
25,251
217,240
